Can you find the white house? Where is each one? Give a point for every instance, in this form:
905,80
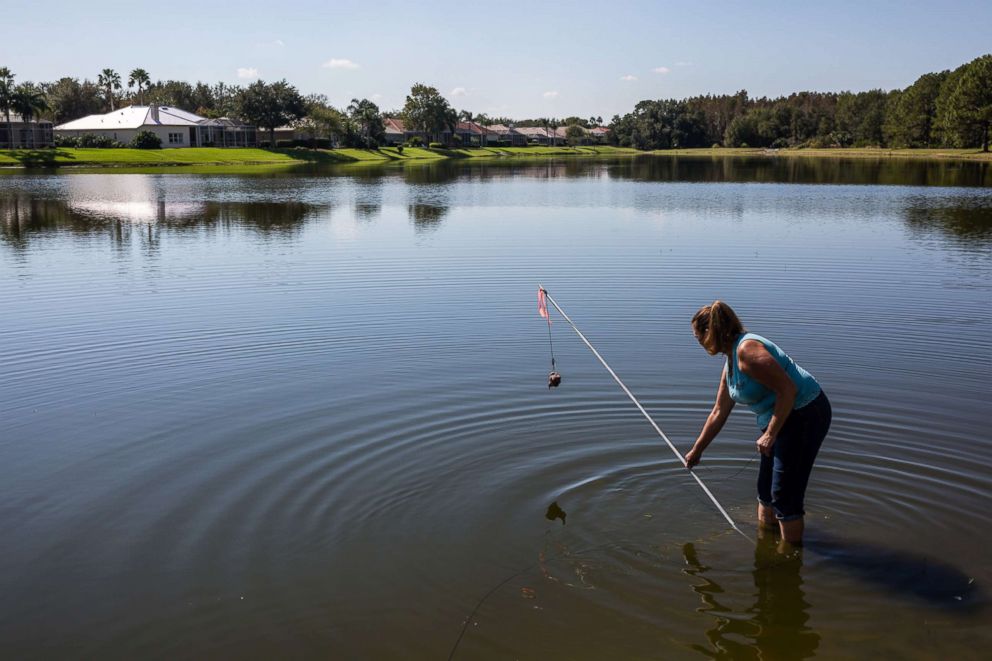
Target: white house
176,127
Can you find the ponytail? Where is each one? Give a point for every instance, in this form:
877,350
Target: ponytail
717,326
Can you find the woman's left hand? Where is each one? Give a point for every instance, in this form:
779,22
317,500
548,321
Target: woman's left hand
765,444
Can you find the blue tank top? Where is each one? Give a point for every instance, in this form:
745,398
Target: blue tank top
761,400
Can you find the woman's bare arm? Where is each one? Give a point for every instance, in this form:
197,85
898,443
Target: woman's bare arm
714,421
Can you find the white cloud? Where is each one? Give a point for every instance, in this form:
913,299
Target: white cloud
459,91
279,42
661,70
248,73
550,95
339,63
628,78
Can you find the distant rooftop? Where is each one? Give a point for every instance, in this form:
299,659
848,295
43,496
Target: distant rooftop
133,117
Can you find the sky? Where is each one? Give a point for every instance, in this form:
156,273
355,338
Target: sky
515,59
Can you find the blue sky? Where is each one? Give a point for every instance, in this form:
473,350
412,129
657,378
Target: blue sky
521,59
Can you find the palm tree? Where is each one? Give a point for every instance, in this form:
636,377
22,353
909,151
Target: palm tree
366,114
109,80
140,78
6,98
29,102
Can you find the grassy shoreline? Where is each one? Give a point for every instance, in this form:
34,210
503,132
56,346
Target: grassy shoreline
250,157
207,156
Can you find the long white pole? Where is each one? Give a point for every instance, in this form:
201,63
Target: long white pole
641,409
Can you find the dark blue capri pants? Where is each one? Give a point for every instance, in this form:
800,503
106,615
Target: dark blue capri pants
783,477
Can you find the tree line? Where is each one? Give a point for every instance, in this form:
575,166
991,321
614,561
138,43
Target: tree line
945,109
949,108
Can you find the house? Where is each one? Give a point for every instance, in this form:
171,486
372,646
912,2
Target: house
225,132
25,135
506,136
472,134
600,134
537,134
175,127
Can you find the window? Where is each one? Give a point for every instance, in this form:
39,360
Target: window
175,138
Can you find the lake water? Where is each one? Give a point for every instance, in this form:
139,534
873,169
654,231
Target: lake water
304,413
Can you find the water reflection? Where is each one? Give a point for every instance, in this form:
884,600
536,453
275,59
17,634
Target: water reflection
799,170
24,218
965,219
426,217
775,626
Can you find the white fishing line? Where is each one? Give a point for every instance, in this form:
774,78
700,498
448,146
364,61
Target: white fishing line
641,409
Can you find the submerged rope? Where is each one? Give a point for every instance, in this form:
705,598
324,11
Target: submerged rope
641,409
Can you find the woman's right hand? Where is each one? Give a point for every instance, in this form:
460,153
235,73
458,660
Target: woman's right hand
692,457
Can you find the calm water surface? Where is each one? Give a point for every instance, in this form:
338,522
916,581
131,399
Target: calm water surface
304,414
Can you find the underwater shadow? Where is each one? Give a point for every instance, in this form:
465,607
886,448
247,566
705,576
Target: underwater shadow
920,577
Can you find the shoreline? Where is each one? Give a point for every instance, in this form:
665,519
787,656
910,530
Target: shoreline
66,158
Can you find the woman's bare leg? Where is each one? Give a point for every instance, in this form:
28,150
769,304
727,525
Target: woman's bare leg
792,531
766,517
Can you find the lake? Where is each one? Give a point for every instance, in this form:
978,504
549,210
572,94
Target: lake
304,412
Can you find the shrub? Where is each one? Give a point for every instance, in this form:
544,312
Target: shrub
66,141
744,145
146,140
100,141
435,145
715,145
399,149
414,141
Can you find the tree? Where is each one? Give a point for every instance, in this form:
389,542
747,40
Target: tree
68,99
270,105
109,80
368,119
176,93
574,134
6,100
426,110
965,104
322,120
910,117
140,78
29,101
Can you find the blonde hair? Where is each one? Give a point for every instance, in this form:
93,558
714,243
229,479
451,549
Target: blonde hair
717,326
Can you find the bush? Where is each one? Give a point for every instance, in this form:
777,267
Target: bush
88,140
414,141
715,145
146,140
744,145
435,145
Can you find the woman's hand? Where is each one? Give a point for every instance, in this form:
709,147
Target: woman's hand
692,457
765,443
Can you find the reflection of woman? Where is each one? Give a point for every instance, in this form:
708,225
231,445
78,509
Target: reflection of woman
793,413
776,626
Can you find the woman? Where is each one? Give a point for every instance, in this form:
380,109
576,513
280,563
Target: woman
793,413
